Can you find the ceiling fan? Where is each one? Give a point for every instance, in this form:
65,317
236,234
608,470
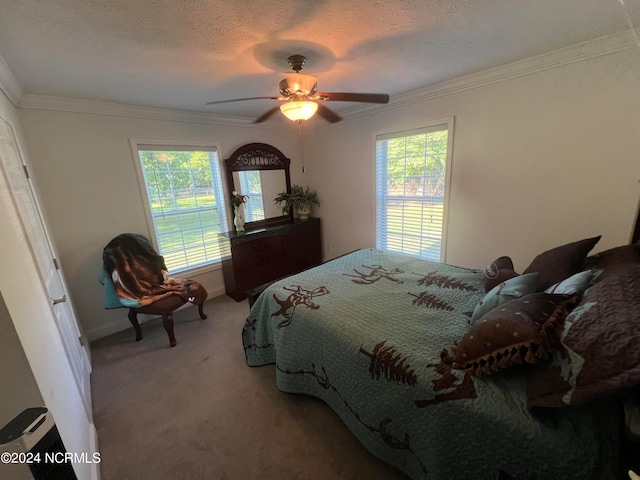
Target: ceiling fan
302,100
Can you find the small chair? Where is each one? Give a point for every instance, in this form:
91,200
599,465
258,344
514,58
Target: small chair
135,276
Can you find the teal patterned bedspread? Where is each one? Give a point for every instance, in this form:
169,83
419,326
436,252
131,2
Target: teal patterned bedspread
369,334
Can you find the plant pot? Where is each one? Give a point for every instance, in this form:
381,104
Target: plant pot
303,212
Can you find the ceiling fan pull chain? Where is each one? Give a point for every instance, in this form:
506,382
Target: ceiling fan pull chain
301,143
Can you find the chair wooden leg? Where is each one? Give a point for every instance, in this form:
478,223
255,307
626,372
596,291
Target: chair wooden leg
133,318
167,322
201,312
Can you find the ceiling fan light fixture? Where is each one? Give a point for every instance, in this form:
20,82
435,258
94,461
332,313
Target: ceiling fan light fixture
301,93
299,110
298,84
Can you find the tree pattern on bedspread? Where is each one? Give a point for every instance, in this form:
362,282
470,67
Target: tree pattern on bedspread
461,388
430,301
386,360
444,281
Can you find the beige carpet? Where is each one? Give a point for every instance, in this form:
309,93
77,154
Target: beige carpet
197,411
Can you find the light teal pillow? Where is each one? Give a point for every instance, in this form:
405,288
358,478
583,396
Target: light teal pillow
508,290
577,283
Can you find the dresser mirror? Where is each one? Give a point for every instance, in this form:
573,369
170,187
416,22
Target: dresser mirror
260,172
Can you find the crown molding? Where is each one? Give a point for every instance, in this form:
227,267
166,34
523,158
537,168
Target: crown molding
9,86
579,52
598,47
98,107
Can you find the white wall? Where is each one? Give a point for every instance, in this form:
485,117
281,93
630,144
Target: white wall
87,180
29,308
538,161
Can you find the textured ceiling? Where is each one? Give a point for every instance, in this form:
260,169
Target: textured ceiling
183,53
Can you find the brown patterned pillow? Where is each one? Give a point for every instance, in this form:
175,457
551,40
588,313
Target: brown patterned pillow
498,271
559,263
516,331
600,351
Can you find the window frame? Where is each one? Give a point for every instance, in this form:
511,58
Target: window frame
142,188
448,123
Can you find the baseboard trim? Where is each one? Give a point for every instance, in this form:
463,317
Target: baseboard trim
93,442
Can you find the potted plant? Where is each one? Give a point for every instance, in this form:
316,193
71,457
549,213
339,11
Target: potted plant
301,200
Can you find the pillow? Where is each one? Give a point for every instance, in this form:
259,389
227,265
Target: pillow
497,272
513,288
600,345
561,262
577,283
610,260
517,331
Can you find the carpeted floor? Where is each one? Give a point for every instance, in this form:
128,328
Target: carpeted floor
197,411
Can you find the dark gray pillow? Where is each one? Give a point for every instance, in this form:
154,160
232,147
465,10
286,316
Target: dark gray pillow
559,263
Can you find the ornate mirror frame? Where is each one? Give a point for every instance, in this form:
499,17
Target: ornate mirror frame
258,156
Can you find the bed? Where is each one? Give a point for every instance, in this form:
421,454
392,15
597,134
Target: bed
390,343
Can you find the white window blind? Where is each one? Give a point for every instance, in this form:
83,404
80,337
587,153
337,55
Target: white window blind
186,202
251,186
411,191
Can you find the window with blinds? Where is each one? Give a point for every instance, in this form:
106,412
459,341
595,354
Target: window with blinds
186,205
412,173
251,186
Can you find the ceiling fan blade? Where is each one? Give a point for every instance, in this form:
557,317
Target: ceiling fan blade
242,99
267,114
327,114
354,97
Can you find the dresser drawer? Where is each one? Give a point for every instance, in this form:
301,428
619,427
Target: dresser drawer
306,252
256,253
248,279
303,248
265,255
303,235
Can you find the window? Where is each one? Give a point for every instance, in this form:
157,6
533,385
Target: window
186,205
412,172
251,186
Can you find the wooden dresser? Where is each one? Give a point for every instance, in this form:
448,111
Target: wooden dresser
255,257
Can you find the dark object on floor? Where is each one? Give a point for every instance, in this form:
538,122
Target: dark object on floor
135,276
31,447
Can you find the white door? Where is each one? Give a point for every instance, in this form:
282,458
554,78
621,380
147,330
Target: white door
17,178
